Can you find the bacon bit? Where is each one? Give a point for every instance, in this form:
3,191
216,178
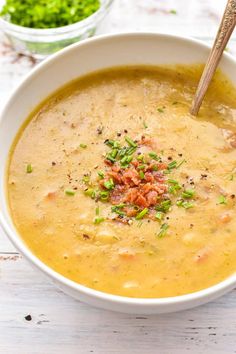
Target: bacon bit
162,166
225,218
51,195
149,177
130,212
108,162
146,141
127,254
152,198
131,177
115,176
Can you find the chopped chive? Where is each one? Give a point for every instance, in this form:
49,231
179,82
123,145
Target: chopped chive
141,175
164,206
114,153
104,195
222,199
90,193
159,215
174,187
101,174
140,158
231,177
83,146
163,230
97,211
187,205
86,179
184,204
153,155
173,12
142,214
155,168
130,141
98,220
109,142
110,158
141,167
109,184
180,163
175,102
29,168
172,165
188,193
160,110
69,192
117,209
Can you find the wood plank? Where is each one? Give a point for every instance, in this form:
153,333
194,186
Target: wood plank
63,325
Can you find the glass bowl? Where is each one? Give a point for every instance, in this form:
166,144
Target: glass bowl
43,42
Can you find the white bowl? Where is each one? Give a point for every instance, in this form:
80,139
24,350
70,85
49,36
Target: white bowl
72,62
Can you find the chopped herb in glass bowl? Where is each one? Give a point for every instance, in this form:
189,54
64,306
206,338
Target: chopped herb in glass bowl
42,27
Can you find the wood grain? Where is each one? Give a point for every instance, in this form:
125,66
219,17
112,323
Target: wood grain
62,325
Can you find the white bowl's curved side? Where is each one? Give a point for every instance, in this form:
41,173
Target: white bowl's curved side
74,61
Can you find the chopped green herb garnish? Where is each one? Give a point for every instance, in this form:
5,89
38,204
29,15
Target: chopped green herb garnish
97,211
175,102
164,206
184,204
98,220
231,177
86,179
130,142
142,214
160,110
163,230
141,167
103,195
174,186
153,155
101,174
180,163
83,146
155,168
173,12
90,193
29,168
140,158
109,184
69,192
222,199
114,153
117,209
159,215
141,175
172,165
188,193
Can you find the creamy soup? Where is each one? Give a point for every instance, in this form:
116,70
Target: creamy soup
113,184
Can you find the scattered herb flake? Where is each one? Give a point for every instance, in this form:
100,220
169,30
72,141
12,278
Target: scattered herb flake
29,168
163,230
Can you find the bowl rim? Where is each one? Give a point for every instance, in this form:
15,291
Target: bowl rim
198,296
88,21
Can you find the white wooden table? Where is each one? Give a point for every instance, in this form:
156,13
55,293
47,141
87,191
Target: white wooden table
59,324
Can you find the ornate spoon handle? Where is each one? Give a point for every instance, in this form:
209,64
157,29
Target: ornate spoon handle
225,30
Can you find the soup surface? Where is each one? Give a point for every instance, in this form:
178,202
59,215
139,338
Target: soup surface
113,183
